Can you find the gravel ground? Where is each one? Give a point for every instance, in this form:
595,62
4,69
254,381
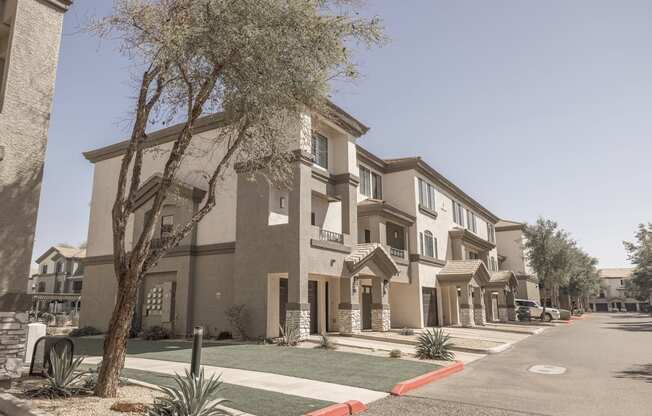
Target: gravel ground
400,406
90,405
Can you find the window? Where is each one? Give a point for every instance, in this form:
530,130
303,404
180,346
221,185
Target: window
491,233
77,286
470,221
59,268
367,236
313,219
472,255
493,264
371,184
458,213
167,226
320,150
426,195
41,287
7,12
281,202
44,269
429,244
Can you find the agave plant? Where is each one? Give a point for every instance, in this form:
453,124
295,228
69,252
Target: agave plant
327,343
434,345
192,396
289,336
64,380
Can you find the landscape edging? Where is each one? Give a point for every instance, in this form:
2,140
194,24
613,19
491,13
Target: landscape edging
405,386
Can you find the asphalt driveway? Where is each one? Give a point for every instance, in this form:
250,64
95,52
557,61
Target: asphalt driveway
608,362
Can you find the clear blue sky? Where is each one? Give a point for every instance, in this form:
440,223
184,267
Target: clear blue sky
533,108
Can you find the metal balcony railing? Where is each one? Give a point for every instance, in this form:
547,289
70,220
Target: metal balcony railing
326,235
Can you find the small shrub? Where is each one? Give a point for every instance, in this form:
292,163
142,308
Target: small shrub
289,336
564,314
84,331
237,316
155,333
64,381
395,354
434,345
406,331
523,314
224,335
47,318
129,407
326,343
192,396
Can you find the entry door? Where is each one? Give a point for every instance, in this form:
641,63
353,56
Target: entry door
313,300
282,301
429,297
366,307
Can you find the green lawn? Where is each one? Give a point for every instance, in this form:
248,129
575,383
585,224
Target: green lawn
359,370
244,399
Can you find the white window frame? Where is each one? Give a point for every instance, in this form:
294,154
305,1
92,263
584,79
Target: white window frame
427,194
319,147
371,183
429,244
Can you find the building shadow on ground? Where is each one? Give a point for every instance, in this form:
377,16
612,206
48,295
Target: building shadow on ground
644,326
642,372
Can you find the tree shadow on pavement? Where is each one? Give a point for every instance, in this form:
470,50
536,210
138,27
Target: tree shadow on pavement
642,372
631,326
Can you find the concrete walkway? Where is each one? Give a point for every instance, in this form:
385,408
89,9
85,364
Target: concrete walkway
264,381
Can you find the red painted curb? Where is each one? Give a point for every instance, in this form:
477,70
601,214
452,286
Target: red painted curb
356,406
405,386
339,409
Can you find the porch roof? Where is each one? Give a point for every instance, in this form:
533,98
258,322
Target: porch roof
503,278
363,254
383,208
468,237
463,271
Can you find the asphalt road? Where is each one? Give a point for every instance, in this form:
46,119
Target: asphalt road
608,362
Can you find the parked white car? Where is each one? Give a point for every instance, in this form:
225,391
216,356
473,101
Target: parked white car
536,310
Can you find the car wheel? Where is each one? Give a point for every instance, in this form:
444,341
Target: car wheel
548,317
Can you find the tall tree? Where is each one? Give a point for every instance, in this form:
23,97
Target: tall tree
582,276
261,63
640,254
547,249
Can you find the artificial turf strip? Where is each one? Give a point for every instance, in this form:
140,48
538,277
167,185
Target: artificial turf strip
350,369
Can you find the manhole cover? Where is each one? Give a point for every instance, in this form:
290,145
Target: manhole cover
547,369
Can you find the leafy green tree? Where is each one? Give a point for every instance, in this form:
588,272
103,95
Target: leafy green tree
582,276
640,254
262,64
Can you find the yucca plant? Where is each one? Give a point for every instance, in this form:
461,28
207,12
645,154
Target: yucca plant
434,345
327,343
289,336
64,380
192,396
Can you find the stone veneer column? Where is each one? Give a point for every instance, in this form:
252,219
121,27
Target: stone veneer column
466,308
297,315
479,310
348,315
502,306
13,338
381,317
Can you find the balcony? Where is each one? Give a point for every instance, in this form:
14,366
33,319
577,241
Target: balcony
325,235
397,252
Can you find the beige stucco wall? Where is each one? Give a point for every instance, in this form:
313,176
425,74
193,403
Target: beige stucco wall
510,245
24,122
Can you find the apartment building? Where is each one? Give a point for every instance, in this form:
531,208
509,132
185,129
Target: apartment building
510,241
57,285
358,243
613,296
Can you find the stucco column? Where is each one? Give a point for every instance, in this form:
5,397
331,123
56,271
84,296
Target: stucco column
380,310
502,306
466,306
346,187
479,310
511,306
348,315
489,310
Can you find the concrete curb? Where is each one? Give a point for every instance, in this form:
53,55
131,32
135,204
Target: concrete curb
493,350
408,385
348,408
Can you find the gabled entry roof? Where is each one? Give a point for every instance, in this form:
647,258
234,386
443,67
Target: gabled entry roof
463,271
363,254
502,278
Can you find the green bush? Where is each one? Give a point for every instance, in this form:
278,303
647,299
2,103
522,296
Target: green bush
192,396
64,380
289,336
326,343
434,345
395,354
155,333
84,331
224,335
406,331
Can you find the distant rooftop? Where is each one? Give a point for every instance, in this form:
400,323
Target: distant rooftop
616,273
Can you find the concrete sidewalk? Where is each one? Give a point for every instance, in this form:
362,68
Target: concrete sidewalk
311,389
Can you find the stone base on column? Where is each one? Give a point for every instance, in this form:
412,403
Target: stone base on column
381,318
511,313
349,319
297,317
13,332
466,316
479,315
502,314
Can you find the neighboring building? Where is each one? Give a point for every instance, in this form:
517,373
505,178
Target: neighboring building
358,243
613,296
57,286
511,246
30,33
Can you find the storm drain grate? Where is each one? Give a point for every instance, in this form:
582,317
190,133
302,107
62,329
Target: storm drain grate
547,369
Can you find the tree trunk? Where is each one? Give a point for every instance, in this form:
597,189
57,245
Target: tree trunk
115,341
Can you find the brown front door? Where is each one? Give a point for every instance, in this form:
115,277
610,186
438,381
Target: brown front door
282,301
429,297
366,307
313,300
